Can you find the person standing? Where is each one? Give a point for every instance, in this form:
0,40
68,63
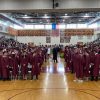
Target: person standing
86,65
55,53
66,56
14,62
78,65
0,65
5,65
24,65
49,51
92,60
96,66
35,65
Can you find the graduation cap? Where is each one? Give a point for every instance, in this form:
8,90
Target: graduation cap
4,50
75,47
86,47
13,53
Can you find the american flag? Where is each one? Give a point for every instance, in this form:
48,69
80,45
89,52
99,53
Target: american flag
55,30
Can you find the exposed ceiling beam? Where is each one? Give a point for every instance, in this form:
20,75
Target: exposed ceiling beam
94,20
10,19
53,1
53,10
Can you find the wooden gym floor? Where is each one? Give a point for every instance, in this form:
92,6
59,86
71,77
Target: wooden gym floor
53,84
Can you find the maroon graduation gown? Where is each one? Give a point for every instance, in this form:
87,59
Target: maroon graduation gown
66,55
86,65
40,60
0,66
92,60
35,65
69,59
43,56
5,70
92,57
96,65
24,64
13,63
66,58
78,65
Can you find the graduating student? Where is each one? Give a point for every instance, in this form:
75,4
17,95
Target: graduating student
10,62
92,60
42,55
24,59
0,65
96,66
69,60
78,65
48,51
40,60
35,65
73,55
45,53
5,65
67,57
31,60
86,65
14,62
55,53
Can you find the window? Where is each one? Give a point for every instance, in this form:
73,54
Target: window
39,26
62,26
71,26
28,26
81,25
48,26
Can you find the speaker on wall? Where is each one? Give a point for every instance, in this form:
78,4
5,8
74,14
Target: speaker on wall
56,4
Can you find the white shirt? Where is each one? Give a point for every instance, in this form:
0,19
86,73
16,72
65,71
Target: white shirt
48,51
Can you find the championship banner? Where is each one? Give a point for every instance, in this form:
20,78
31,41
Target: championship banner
48,39
67,39
62,32
62,39
48,32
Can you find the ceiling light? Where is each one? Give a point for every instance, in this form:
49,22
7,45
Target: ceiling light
25,15
80,20
40,22
65,16
31,20
45,14
86,15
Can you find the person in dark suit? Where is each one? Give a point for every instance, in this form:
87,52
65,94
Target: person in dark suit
55,53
